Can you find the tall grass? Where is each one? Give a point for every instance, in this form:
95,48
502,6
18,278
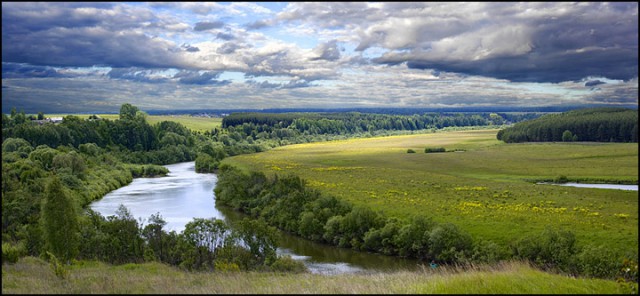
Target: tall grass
34,276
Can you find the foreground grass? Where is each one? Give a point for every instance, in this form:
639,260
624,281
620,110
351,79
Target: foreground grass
487,190
200,124
34,276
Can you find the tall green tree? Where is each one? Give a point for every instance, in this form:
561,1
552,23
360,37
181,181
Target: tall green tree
59,222
128,111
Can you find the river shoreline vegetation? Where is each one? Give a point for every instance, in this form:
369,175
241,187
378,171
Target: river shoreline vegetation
466,217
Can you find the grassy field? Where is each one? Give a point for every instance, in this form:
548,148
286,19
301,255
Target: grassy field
34,276
486,189
201,124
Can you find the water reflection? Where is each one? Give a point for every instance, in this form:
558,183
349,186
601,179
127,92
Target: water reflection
326,259
179,197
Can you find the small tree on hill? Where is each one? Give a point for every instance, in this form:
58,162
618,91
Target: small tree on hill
567,136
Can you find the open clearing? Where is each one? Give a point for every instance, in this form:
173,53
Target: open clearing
200,124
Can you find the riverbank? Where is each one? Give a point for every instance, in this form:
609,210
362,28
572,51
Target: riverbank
34,276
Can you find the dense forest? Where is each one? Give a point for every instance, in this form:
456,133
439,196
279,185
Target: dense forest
592,124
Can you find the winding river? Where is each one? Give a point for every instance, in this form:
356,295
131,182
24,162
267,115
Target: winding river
184,194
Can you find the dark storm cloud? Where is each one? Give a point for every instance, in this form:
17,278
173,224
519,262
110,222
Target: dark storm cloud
135,74
300,83
552,67
26,17
264,84
593,83
13,70
621,95
521,42
84,35
200,78
203,26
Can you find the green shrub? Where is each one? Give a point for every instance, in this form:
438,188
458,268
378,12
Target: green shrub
411,151
288,264
57,267
561,179
598,261
412,239
488,252
551,248
16,144
89,149
434,150
12,252
449,243
224,266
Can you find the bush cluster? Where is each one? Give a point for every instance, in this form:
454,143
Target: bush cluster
287,203
434,150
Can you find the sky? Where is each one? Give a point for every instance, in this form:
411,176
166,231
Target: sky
89,57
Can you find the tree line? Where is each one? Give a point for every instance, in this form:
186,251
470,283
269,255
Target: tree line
251,132
356,122
131,138
591,124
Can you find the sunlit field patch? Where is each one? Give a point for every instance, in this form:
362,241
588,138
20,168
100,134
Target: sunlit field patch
489,189
201,124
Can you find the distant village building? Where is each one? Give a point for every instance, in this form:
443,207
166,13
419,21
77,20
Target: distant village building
48,120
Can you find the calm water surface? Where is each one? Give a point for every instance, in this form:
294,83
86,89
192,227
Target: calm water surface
184,194
601,186
179,197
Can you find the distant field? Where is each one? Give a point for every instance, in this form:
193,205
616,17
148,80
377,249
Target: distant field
486,189
201,124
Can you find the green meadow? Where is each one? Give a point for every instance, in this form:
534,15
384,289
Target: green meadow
33,275
200,124
486,187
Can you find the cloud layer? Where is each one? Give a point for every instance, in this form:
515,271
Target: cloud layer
318,54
